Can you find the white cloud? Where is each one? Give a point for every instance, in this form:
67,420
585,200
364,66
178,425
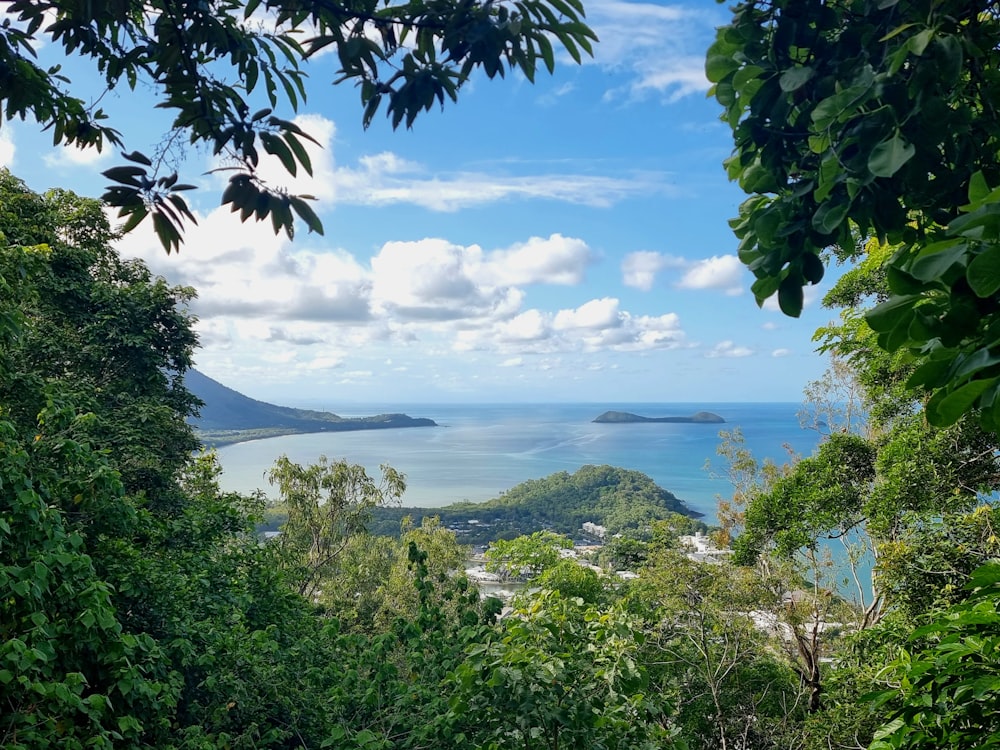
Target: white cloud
639,269
512,362
595,314
781,352
385,179
723,272
552,260
596,325
71,156
262,298
7,149
323,181
729,349
550,98
661,46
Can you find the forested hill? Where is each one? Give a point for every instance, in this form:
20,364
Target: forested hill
228,416
615,498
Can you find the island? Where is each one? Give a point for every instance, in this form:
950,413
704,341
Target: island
227,416
624,417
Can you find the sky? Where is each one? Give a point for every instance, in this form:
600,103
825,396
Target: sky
566,240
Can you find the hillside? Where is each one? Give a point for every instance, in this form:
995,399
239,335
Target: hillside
228,416
618,499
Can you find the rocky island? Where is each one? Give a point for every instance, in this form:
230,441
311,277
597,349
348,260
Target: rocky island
624,417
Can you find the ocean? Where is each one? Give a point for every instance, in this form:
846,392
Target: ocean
480,450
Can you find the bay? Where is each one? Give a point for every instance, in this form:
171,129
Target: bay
480,450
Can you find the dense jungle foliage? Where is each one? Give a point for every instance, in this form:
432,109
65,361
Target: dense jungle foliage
139,608
858,606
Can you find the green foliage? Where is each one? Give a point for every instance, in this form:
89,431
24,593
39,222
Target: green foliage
558,674
70,676
823,496
327,503
866,118
525,557
949,688
211,65
573,581
618,499
704,652
116,340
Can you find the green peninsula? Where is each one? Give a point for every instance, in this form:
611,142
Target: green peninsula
624,417
615,498
227,416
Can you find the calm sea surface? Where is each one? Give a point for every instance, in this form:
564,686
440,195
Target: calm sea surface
477,451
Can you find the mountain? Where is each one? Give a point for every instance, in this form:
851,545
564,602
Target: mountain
624,417
228,416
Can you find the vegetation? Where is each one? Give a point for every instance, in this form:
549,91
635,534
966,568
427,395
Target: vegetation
621,500
226,76
138,608
875,118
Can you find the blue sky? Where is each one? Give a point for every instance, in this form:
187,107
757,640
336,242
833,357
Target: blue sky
562,241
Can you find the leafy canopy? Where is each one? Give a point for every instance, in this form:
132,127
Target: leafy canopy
876,118
225,69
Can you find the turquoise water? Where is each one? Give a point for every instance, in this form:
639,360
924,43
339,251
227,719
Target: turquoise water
478,451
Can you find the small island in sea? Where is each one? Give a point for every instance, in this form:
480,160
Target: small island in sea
624,417
227,416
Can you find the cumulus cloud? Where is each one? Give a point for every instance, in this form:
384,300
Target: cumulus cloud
551,260
310,308
781,352
724,273
721,272
729,349
596,325
639,269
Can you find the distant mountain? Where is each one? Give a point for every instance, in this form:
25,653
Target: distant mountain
228,416
624,417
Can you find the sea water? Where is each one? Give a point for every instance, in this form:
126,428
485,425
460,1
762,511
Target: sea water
479,450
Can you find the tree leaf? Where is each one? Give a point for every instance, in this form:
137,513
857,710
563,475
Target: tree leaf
889,156
983,273
790,296
950,408
795,78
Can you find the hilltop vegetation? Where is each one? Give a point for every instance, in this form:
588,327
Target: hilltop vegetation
618,499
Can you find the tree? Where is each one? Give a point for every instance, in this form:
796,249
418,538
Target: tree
526,557
948,688
225,68
703,648
328,503
876,118
557,675
102,331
